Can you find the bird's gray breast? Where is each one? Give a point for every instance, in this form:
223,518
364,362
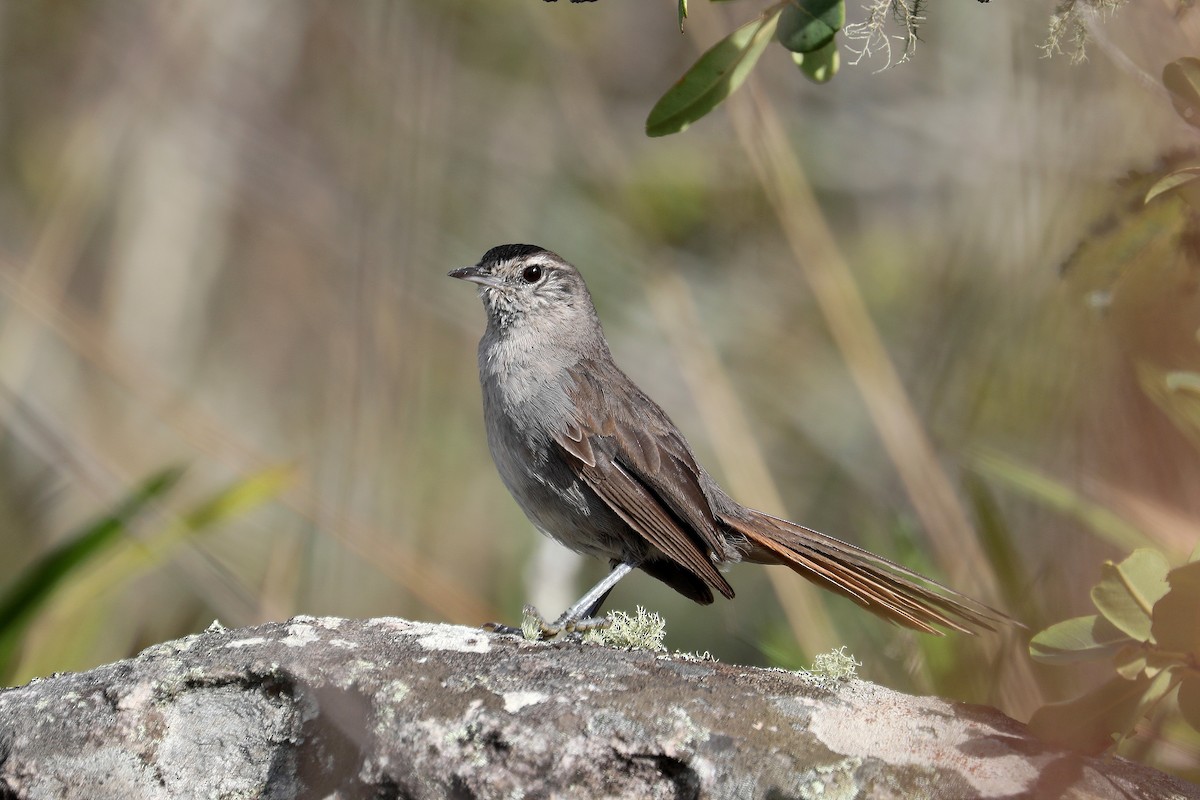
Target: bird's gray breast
526,405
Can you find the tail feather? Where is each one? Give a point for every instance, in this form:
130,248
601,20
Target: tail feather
883,587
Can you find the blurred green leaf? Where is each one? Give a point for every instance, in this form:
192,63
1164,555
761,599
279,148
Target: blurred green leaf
1182,79
682,13
1000,543
777,642
1060,497
1127,591
1183,381
1189,699
1143,658
809,25
1132,269
1173,181
715,76
1176,625
1091,721
36,584
238,497
1079,639
821,64
1173,390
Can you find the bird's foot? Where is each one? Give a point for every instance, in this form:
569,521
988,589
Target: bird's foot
501,628
534,626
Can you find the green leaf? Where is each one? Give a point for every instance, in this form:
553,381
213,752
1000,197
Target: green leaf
682,13
1143,658
1130,661
1079,639
1127,592
1091,721
809,25
1189,699
1173,181
1182,79
21,601
821,64
1176,625
712,78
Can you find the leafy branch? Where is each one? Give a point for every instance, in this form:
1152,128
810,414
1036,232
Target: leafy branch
1148,628
806,28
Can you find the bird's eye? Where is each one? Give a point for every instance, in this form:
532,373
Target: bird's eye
532,273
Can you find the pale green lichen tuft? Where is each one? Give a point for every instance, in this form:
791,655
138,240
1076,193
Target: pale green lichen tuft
531,625
836,666
643,631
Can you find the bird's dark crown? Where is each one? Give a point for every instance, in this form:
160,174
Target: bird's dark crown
509,252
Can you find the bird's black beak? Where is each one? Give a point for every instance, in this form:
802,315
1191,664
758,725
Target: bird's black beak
476,274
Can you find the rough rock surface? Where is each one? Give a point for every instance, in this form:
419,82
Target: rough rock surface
387,708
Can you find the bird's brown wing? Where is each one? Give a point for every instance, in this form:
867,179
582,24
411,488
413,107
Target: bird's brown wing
629,453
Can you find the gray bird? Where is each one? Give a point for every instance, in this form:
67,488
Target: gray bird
596,465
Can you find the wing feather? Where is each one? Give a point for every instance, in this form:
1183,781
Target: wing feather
627,451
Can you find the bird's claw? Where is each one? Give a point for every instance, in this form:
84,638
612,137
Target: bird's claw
534,626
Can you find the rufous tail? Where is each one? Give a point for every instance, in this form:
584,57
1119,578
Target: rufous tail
881,586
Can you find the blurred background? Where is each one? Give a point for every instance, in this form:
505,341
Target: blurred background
225,229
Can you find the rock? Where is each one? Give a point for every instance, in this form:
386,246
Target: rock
387,708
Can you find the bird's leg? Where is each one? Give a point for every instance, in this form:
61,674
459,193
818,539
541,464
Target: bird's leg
579,617
576,619
594,609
